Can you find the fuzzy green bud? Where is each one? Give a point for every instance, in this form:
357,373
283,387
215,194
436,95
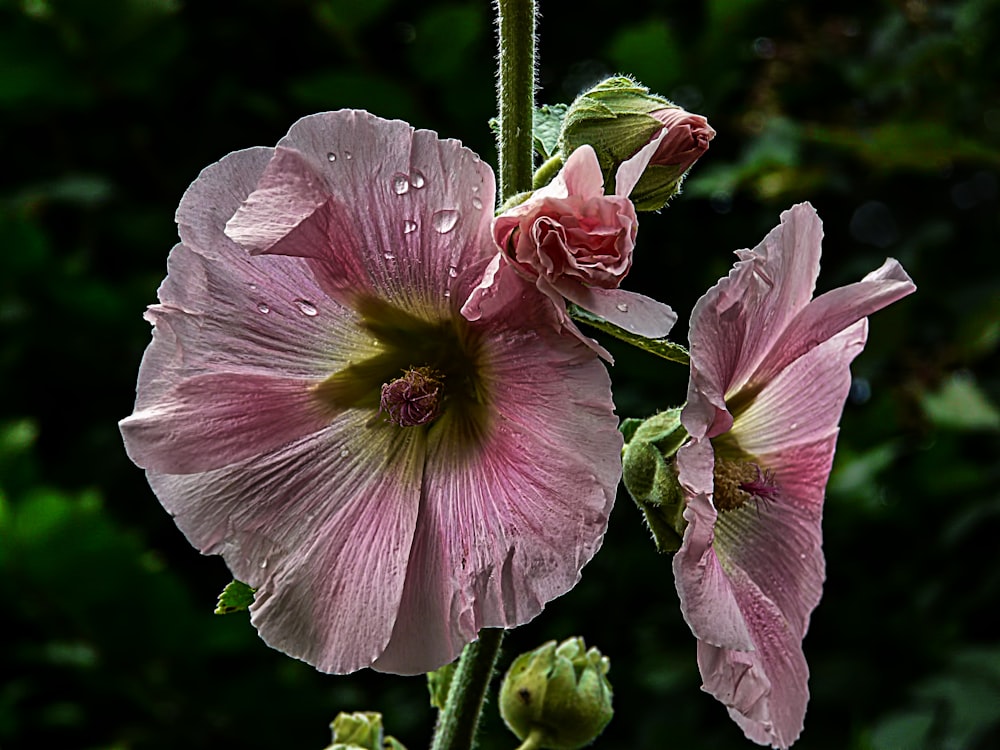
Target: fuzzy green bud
559,695
651,479
361,730
618,117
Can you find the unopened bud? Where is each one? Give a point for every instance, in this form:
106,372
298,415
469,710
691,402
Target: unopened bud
361,730
557,694
618,117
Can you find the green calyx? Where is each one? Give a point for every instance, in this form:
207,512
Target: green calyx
650,477
361,730
558,695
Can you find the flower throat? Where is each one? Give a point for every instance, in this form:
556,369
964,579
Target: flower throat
740,482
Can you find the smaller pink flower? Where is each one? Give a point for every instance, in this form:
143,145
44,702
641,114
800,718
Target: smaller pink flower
575,242
769,377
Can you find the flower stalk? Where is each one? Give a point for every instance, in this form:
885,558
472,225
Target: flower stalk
515,94
456,727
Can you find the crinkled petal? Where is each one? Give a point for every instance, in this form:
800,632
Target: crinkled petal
634,312
580,176
495,290
735,324
322,528
703,587
506,528
834,311
766,690
404,211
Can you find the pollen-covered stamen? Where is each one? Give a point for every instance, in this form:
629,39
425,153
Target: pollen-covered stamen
740,482
414,398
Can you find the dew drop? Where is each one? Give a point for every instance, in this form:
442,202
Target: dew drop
475,188
331,156
622,307
476,203
263,563
417,179
348,155
400,183
409,226
444,220
306,308
344,453
452,271
261,307
388,256
447,293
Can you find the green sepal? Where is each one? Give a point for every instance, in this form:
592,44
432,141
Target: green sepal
660,347
546,125
361,730
650,477
236,597
439,683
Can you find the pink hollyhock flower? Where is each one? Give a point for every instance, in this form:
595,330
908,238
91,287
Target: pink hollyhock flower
769,377
574,242
388,475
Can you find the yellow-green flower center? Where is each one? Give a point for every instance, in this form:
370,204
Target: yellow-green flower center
738,482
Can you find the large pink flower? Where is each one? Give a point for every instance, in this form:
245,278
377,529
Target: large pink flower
575,242
390,476
769,377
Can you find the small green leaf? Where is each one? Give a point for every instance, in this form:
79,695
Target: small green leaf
546,125
660,347
236,597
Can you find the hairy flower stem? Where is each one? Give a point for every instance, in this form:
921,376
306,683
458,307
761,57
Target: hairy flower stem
456,727
516,94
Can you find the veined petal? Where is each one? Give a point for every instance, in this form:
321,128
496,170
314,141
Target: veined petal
634,312
213,420
412,209
834,311
803,403
322,528
735,324
507,527
766,690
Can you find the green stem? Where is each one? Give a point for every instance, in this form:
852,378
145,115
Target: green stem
516,94
456,727
547,172
532,742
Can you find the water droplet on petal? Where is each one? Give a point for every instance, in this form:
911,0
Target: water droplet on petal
344,453
348,155
476,203
331,156
444,220
306,308
417,179
400,183
475,188
261,307
409,226
447,293
452,271
388,256
263,563
622,307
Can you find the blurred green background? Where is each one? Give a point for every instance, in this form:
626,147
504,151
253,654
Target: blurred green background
885,115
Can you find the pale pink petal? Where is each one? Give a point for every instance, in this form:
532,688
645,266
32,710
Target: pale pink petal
765,689
580,176
492,292
439,195
833,312
804,402
634,312
213,420
322,528
507,524
703,587
630,170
